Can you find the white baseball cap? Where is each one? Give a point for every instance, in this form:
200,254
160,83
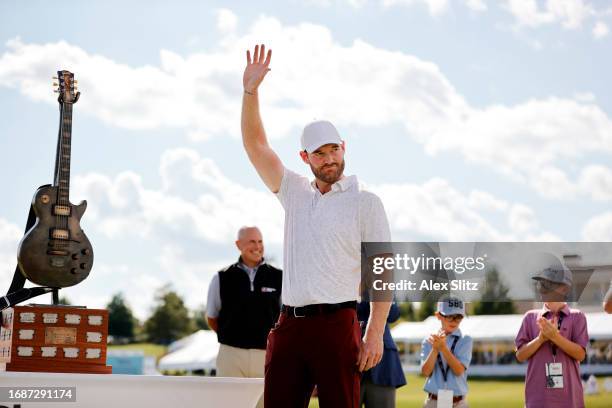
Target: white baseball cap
449,307
319,133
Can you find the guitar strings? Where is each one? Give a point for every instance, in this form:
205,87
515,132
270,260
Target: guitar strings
65,186
59,182
62,221
57,174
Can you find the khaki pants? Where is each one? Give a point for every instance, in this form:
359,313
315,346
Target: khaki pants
430,403
244,363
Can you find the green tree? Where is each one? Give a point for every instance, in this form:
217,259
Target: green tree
494,299
199,318
428,308
170,319
406,311
121,321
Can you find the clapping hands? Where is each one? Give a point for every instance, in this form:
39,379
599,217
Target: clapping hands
437,340
548,329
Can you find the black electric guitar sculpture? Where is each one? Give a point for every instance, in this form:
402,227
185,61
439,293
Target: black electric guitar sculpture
55,252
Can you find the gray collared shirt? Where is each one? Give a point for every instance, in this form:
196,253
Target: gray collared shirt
213,302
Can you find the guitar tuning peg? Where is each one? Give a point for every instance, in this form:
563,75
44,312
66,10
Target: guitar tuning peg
75,82
55,84
56,91
54,78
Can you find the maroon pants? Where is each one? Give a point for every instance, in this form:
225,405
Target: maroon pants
306,351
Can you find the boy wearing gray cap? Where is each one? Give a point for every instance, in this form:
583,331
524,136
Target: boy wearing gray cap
553,340
445,358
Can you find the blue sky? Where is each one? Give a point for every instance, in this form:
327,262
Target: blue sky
473,120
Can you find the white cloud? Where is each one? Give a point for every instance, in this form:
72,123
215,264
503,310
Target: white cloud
600,30
436,210
481,200
198,94
598,228
569,13
227,21
522,219
532,142
357,3
476,5
318,3
435,7
527,13
536,142
219,208
596,181
585,97
10,234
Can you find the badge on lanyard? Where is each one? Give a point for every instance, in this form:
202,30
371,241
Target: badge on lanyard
554,370
445,398
554,375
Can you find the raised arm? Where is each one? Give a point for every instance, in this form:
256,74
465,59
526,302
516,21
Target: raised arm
264,159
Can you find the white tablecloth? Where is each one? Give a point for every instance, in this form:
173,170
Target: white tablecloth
119,391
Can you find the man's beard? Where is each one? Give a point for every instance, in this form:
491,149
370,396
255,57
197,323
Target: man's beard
329,178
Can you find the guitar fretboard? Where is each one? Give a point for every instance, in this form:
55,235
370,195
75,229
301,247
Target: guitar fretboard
62,178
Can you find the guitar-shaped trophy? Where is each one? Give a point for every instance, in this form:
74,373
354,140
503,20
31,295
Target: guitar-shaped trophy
55,252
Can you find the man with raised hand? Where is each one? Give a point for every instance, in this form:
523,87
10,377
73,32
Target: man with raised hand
317,339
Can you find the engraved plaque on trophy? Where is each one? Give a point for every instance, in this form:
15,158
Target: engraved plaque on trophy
54,338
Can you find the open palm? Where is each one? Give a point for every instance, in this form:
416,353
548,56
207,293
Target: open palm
256,68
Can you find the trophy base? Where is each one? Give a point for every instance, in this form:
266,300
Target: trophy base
57,367
54,339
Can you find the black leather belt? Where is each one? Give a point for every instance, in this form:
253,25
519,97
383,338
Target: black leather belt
317,309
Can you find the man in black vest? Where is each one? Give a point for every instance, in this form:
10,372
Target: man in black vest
243,305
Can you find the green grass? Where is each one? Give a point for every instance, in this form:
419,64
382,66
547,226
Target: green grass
149,349
484,394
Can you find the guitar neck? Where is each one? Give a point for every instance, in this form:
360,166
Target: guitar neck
62,175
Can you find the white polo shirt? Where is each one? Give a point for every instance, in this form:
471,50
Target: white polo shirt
323,235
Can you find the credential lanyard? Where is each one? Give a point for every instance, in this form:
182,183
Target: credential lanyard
553,345
441,365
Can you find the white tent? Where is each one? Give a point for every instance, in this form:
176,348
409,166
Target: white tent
493,328
197,351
